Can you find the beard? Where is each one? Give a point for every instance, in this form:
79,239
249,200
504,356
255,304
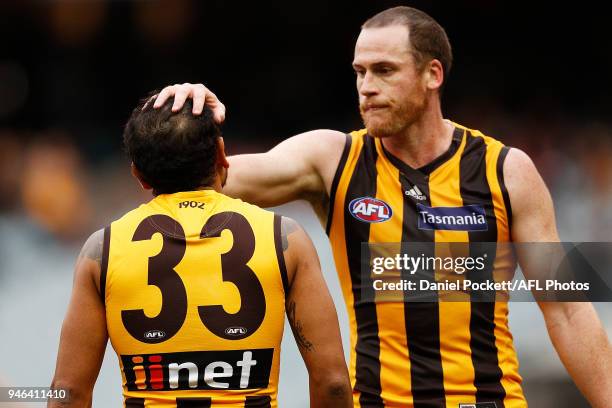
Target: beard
392,119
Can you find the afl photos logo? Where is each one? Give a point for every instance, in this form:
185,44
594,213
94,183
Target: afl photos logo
368,209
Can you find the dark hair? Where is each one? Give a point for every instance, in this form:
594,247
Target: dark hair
428,39
172,151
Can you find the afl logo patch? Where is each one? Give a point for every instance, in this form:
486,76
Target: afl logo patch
368,209
235,331
155,334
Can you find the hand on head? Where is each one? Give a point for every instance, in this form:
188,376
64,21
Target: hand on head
199,93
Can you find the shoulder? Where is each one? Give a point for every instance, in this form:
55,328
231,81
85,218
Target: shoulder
526,188
488,140
89,262
532,206
519,170
518,157
293,237
295,245
93,247
288,226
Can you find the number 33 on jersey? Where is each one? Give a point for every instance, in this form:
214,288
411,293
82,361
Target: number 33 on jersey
175,275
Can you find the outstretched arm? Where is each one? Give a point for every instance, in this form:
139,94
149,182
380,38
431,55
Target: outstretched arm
84,336
301,167
574,328
314,322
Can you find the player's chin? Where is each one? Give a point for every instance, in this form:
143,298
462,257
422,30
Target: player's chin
377,127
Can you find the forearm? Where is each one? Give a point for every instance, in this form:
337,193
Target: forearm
330,391
584,349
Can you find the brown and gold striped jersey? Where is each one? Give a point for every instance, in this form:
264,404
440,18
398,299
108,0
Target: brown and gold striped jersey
194,289
423,354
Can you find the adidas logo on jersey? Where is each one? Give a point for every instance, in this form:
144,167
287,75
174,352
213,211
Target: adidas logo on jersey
416,193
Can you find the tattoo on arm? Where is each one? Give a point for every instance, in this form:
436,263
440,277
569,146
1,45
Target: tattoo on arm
92,249
288,226
296,326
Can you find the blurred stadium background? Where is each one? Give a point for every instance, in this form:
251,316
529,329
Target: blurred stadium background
71,71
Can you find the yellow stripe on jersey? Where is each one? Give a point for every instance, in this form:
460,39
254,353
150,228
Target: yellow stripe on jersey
194,302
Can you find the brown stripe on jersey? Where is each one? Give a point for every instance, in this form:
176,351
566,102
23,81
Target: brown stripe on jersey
336,180
104,264
422,319
367,349
134,402
278,246
502,184
263,401
205,402
475,189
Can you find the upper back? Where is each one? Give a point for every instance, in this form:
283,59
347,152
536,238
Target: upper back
194,299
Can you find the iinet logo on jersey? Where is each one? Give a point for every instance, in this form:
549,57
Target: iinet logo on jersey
199,370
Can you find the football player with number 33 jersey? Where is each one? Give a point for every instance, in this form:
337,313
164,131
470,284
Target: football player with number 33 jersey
192,287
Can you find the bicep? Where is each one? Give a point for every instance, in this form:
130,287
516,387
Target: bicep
294,169
266,179
83,331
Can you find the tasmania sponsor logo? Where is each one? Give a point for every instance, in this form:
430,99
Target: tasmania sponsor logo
466,218
198,370
368,209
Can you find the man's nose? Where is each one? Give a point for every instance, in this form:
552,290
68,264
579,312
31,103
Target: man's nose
368,85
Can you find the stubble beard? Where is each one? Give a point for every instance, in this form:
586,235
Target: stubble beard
393,120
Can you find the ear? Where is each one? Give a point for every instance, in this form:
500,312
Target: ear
138,177
221,157
434,75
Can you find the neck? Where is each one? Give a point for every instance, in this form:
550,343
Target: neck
216,185
423,141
